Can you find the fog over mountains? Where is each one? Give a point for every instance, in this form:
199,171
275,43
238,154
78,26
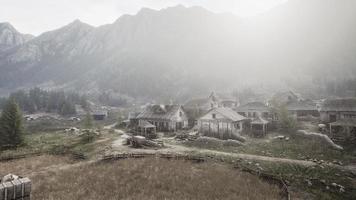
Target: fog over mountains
178,51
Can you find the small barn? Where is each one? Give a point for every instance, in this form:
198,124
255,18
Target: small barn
221,123
164,117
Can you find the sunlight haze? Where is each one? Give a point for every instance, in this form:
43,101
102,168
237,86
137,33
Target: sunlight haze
47,15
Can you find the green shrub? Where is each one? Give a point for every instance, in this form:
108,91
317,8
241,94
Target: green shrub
88,136
58,150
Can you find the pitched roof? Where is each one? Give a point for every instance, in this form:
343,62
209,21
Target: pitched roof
253,106
285,96
162,112
347,104
202,101
301,105
146,124
229,113
259,120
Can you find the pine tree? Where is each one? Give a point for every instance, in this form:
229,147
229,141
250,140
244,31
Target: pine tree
11,129
67,109
88,121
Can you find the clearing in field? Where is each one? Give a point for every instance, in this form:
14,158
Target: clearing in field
150,178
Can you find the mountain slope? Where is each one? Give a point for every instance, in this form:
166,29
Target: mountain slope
177,51
10,37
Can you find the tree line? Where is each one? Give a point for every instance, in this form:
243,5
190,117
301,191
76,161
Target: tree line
38,100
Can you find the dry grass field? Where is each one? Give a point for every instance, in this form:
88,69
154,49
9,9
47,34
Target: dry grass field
30,165
140,179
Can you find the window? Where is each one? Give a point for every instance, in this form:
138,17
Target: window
214,116
180,114
237,126
349,116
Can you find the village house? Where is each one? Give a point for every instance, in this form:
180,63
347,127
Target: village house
199,106
259,115
228,103
253,110
202,104
163,118
332,110
221,123
302,108
341,116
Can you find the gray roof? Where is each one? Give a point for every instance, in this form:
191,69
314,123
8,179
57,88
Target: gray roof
347,104
146,124
99,112
253,106
285,96
230,114
160,112
301,105
259,120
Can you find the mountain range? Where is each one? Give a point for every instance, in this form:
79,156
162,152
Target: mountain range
179,51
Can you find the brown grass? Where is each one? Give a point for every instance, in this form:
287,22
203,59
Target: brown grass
140,179
23,167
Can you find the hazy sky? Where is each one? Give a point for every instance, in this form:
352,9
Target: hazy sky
37,16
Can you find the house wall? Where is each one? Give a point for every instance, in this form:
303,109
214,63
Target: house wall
171,124
325,116
254,114
218,127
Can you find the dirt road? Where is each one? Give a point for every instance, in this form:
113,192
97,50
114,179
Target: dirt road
118,147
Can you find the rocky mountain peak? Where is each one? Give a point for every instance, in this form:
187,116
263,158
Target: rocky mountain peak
10,37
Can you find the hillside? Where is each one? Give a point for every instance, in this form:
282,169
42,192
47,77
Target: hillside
178,50
10,37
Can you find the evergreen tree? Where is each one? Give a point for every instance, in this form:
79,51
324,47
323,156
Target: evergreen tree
67,109
286,122
88,121
11,129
